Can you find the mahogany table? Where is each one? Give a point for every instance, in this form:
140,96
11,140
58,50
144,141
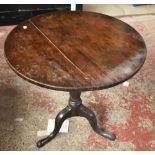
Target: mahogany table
75,52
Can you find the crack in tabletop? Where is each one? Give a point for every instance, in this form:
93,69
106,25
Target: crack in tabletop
85,76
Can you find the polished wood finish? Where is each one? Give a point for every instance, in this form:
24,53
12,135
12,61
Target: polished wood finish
75,51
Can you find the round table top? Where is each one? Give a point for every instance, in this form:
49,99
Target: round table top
75,51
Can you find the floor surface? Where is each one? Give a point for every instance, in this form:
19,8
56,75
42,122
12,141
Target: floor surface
129,112
119,9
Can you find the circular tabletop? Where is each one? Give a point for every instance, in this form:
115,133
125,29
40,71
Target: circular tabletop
75,51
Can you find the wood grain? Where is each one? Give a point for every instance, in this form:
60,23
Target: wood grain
75,51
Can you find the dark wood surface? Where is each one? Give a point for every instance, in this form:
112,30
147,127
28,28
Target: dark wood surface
75,51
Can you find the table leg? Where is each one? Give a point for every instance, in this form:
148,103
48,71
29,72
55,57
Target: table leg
83,111
87,113
75,108
64,114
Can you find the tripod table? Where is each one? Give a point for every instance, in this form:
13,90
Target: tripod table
74,52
